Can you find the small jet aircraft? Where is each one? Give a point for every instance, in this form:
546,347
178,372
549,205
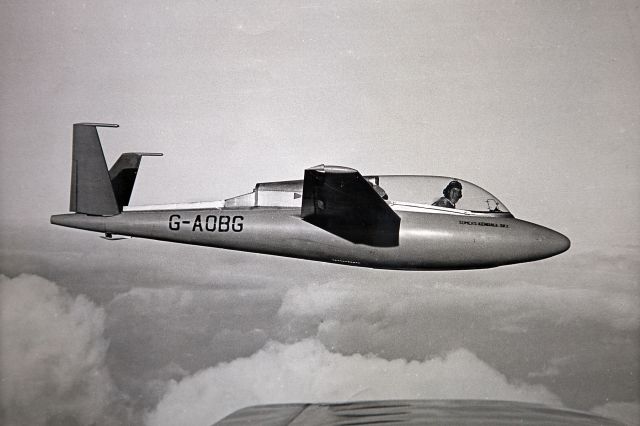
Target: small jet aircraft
333,215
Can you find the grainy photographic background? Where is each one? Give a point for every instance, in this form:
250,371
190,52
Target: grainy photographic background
538,102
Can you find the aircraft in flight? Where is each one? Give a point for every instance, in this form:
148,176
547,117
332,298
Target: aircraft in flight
334,214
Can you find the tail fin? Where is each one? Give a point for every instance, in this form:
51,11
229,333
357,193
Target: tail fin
94,189
123,175
91,190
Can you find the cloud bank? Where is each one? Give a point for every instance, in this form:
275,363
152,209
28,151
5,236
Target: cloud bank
515,304
307,371
168,333
197,353
52,355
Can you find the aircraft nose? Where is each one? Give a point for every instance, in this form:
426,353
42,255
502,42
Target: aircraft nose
554,242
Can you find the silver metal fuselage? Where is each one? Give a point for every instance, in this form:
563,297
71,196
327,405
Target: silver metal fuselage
427,241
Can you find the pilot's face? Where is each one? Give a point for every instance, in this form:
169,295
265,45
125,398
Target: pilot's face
455,194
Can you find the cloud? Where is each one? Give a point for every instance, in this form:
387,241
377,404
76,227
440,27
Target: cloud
552,368
627,412
193,327
167,333
413,321
307,371
159,336
513,305
532,332
52,355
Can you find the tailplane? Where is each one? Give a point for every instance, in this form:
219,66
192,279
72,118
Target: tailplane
123,175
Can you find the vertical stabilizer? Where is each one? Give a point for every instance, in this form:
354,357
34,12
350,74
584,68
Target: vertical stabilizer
91,190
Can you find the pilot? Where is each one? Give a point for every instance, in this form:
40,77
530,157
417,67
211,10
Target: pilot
452,193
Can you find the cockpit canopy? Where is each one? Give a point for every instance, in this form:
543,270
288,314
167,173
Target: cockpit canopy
427,190
400,191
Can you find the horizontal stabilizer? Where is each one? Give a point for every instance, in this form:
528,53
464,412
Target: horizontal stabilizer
123,175
339,200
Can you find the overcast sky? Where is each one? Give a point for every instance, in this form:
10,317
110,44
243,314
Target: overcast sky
537,102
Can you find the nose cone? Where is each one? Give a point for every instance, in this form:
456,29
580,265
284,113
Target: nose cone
551,242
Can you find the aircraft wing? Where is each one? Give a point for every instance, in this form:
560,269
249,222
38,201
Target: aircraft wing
339,200
418,412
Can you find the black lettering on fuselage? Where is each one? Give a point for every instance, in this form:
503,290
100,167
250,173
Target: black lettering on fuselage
223,224
212,223
174,222
237,223
197,223
495,225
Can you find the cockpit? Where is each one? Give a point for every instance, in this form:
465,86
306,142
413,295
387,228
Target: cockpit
401,192
426,193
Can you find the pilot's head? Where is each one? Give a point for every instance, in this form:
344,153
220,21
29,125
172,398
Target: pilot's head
453,191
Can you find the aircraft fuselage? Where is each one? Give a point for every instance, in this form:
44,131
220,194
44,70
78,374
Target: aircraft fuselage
427,241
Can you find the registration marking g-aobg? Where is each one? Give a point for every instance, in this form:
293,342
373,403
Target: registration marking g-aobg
208,223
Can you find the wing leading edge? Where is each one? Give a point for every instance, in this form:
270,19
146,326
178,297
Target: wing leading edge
339,200
432,412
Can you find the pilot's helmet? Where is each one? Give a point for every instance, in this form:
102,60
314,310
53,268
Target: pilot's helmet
450,186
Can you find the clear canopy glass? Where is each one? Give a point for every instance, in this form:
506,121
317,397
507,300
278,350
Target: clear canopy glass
414,192
427,190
